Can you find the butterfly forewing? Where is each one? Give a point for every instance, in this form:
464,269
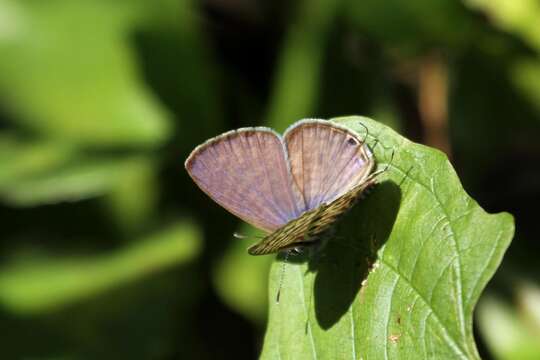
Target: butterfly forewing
246,171
327,160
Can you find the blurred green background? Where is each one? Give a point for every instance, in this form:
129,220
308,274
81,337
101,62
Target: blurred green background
108,250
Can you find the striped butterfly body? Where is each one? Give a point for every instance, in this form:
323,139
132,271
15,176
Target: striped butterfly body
292,187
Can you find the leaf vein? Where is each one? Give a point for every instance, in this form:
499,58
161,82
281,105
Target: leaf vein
426,239
353,330
490,257
389,317
450,339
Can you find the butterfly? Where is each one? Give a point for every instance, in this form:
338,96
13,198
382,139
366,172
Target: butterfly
293,187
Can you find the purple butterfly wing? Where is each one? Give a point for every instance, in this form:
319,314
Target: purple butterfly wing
246,171
327,160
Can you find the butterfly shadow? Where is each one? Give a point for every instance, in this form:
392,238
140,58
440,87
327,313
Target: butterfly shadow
350,252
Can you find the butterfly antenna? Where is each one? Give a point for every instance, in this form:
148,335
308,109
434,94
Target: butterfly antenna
390,162
367,132
282,275
406,175
379,172
375,143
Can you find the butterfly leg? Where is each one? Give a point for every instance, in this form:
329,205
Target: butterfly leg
282,275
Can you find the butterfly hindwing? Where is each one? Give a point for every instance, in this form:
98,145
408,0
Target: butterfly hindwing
310,225
246,171
294,232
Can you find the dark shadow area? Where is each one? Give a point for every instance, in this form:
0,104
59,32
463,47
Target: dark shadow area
345,261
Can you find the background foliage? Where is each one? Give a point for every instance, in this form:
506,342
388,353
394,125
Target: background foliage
108,249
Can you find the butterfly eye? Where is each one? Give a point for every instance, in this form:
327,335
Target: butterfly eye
352,141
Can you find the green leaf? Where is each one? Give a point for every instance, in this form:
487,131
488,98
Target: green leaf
44,173
131,212
69,72
21,159
412,25
35,286
525,74
512,332
518,17
400,277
